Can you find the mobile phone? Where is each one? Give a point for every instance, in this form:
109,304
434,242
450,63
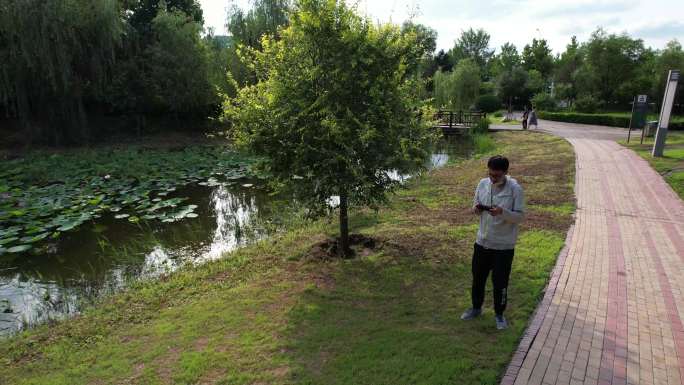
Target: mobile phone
483,207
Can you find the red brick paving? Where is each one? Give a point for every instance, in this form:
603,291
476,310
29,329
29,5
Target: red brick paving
612,312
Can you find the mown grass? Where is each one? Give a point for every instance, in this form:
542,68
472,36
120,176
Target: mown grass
270,314
500,120
671,164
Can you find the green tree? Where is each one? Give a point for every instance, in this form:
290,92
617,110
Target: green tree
473,45
566,69
335,108
247,27
612,64
177,63
264,17
219,50
535,82
142,12
538,57
509,56
510,86
55,58
459,89
670,58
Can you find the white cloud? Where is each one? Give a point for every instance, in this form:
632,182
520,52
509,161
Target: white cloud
656,21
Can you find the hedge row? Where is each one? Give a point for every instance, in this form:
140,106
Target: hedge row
676,123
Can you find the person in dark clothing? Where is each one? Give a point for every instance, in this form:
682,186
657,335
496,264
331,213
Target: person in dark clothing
499,201
524,118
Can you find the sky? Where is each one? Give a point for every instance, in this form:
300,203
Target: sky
516,21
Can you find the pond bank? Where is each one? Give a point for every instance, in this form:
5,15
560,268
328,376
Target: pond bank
267,313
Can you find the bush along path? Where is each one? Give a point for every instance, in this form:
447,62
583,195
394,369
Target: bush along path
278,312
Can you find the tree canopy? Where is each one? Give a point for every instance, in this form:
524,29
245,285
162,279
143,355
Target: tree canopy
56,56
474,45
335,110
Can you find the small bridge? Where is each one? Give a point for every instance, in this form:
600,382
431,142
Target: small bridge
457,122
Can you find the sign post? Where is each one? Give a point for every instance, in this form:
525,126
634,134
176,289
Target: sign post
665,111
638,118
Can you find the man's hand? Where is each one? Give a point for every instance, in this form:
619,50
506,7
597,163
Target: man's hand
496,211
475,210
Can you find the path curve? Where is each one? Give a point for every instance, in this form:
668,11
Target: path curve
613,312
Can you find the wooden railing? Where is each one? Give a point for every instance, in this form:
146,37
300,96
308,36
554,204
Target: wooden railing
454,119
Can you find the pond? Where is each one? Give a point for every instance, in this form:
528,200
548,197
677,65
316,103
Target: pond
108,254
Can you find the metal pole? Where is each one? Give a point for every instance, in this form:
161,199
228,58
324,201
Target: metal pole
629,133
664,121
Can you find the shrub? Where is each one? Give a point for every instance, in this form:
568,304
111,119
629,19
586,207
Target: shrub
488,103
482,126
587,104
596,119
544,102
607,119
498,114
483,143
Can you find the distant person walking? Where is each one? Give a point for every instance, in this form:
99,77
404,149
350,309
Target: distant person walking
526,112
500,204
532,118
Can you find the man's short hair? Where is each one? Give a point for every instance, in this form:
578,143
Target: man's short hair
498,162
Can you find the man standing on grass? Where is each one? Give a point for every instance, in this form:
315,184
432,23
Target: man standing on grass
499,202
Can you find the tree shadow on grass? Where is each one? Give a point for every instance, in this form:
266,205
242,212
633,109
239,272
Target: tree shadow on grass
393,318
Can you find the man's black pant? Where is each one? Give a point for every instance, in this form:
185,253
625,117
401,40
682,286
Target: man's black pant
499,262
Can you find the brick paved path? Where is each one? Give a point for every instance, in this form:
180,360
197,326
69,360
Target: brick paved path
614,308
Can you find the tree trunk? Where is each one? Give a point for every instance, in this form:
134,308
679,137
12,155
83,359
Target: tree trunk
344,227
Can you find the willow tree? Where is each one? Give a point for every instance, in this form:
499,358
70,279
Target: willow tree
55,55
334,111
459,89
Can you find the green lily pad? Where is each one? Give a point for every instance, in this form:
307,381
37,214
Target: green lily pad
5,241
19,249
34,238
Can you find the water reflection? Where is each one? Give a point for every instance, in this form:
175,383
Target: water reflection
234,219
80,268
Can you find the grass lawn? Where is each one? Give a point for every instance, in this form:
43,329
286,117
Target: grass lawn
671,165
270,314
500,120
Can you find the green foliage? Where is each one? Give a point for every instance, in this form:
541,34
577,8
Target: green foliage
506,60
672,57
473,45
576,117
177,66
545,102
620,119
488,103
56,56
335,108
482,126
265,17
613,64
587,104
459,89
535,81
538,57
511,86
